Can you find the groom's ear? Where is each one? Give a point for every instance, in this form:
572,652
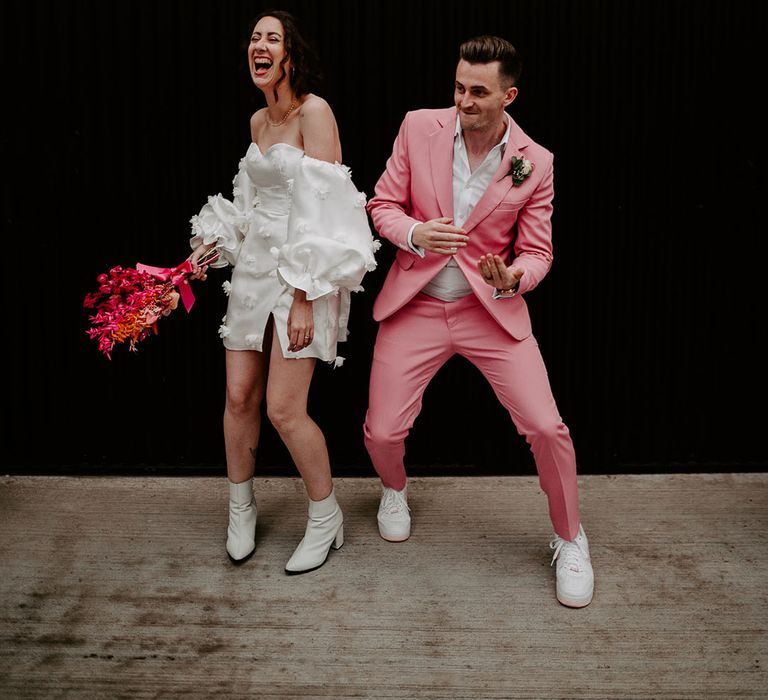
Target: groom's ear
510,95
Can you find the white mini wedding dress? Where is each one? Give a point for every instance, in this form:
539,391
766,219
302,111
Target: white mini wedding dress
294,222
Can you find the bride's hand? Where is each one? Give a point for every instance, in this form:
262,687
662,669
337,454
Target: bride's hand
301,323
198,272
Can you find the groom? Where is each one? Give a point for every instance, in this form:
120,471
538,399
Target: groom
467,198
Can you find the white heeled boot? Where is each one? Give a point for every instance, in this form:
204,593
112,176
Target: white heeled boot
241,533
325,529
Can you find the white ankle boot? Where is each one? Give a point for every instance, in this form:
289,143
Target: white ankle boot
241,532
325,529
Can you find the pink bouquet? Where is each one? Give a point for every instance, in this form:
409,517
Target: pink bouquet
130,301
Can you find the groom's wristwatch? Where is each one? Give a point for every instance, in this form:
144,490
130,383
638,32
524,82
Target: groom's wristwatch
505,293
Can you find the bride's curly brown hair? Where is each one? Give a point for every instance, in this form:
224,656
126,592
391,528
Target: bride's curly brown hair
305,71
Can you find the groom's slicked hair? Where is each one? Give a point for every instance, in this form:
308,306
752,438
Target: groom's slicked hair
486,49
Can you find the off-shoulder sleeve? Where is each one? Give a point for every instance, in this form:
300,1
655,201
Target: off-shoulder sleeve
225,222
329,244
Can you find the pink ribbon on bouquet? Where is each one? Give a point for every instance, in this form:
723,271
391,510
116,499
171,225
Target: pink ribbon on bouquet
177,275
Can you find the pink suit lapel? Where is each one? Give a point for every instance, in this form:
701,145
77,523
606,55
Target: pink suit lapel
441,162
500,183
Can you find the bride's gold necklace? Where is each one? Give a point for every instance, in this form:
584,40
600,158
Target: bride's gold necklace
293,106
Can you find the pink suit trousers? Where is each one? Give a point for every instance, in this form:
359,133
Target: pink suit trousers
411,346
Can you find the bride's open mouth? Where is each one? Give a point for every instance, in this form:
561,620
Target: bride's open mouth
261,66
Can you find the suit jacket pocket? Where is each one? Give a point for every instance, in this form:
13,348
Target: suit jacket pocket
405,259
511,206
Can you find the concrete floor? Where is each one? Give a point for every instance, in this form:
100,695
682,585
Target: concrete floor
120,587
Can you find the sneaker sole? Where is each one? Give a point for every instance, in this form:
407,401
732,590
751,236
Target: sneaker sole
394,538
573,603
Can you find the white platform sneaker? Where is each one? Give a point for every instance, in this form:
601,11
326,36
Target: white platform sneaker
394,515
575,578
325,529
241,532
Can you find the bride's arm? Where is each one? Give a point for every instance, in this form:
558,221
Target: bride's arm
329,244
319,131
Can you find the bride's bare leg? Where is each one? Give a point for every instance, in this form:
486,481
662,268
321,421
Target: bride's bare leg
287,390
246,382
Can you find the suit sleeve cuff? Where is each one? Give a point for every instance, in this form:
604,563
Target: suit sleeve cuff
416,249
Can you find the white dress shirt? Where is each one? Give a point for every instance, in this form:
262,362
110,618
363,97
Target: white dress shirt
450,283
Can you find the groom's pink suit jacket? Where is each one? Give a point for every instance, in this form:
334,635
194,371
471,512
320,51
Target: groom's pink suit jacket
417,186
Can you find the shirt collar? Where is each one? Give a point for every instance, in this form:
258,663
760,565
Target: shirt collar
502,143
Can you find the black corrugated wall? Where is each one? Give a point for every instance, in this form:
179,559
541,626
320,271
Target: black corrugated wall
121,117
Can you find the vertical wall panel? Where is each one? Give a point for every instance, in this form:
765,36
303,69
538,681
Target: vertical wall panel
122,116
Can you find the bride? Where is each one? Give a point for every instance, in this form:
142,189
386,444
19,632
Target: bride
297,236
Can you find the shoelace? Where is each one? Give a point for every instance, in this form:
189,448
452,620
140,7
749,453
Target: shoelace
393,503
571,553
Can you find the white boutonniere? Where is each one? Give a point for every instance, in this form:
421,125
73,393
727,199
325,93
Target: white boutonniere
520,169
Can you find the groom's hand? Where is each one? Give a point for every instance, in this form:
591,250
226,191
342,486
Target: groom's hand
438,236
497,274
